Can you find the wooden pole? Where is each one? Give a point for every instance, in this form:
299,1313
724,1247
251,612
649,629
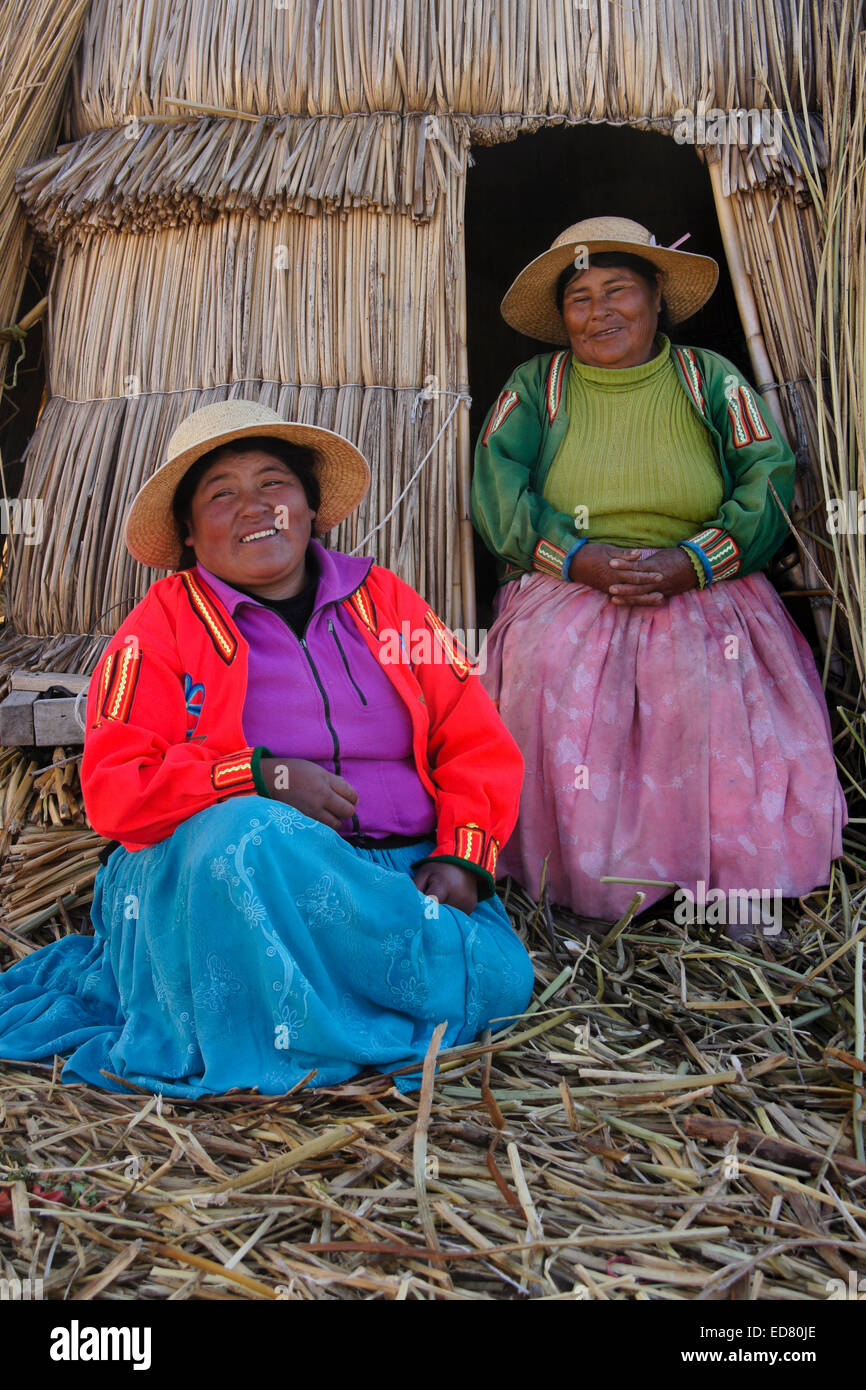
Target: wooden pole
761,365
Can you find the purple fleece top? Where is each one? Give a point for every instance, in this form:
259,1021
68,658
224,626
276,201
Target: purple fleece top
327,699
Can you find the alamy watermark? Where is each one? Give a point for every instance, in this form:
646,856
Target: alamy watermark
846,516
77,1343
758,907
465,649
737,125
20,1290
22,516
854,1290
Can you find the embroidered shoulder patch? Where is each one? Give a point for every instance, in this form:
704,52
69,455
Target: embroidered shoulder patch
689,364
747,422
555,378
503,408
455,653
205,610
104,678
362,604
121,678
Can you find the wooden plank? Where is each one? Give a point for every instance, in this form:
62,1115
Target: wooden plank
16,719
43,680
54,723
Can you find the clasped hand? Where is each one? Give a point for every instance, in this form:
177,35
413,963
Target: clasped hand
325,797
630,581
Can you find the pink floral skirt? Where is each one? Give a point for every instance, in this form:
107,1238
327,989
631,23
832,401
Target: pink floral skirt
685,744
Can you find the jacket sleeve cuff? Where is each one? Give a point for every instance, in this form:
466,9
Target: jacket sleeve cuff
473,849
256,767
233,774
717,552
566,564
548,558
698,564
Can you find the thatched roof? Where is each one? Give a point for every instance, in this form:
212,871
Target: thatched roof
193,170
201,168
595,61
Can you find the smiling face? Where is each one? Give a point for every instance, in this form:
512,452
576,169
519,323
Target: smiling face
236,529
611,316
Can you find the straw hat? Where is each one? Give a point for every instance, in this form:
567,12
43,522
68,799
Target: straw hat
151,531
530,304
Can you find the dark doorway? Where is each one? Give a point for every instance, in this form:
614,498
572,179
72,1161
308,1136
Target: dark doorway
521,194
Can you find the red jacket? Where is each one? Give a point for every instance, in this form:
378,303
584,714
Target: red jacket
142,776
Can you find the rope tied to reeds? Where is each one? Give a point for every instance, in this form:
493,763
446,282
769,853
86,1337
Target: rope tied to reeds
427,393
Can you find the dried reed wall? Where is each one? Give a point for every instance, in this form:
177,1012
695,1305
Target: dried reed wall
38,39
335,320
257,202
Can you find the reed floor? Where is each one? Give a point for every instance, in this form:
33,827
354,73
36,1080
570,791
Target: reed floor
671,1120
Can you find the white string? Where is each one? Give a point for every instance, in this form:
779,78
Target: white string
220,385
426,394
78,719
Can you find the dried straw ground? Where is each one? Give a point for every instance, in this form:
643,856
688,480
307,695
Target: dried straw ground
673,1118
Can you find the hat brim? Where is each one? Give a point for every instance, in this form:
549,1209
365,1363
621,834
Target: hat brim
530,303
343,474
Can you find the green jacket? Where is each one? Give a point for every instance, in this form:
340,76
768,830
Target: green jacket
526,426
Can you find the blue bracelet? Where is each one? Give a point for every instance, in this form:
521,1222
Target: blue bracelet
570,556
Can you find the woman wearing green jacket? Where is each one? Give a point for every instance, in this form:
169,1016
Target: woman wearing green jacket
668,710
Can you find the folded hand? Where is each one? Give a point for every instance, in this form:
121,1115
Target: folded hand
631,581
452,886
321,795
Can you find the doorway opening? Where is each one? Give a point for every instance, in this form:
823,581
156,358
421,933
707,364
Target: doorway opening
521,194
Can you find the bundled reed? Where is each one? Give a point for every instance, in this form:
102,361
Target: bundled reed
46,791
490,57
169,173
37,44
838,359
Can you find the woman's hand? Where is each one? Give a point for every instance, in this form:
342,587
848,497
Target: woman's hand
630,581
309,788
452,886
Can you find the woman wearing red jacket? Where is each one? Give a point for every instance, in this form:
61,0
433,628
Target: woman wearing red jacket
308,787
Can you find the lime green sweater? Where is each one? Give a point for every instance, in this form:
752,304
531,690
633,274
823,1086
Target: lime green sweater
636,455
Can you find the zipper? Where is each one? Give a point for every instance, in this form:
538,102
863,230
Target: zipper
333,631
337,766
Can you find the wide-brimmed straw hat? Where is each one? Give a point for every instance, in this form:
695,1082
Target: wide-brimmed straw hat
530,303
152,534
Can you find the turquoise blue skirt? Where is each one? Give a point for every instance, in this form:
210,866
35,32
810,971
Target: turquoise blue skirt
252,947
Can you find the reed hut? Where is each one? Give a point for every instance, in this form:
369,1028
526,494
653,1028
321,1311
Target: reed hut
268,200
